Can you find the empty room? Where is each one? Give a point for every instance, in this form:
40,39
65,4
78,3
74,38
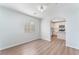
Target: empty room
39,28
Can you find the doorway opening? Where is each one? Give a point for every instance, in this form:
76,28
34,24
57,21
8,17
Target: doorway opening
58,30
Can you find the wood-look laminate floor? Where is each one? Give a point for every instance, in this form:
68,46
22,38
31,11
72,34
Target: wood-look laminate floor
41,47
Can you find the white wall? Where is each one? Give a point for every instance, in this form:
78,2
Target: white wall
45,29
72,34
72,28
12,28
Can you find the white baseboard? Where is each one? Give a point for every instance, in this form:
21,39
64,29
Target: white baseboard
16,44
46,40
75,47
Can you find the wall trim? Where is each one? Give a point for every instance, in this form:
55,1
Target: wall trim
14,45
74,47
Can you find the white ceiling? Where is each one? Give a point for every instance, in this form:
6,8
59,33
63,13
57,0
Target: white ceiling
53,9
27,8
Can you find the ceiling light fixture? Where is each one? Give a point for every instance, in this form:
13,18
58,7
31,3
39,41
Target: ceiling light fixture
42,8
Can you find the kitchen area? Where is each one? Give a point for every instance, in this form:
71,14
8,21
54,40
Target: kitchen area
58,29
